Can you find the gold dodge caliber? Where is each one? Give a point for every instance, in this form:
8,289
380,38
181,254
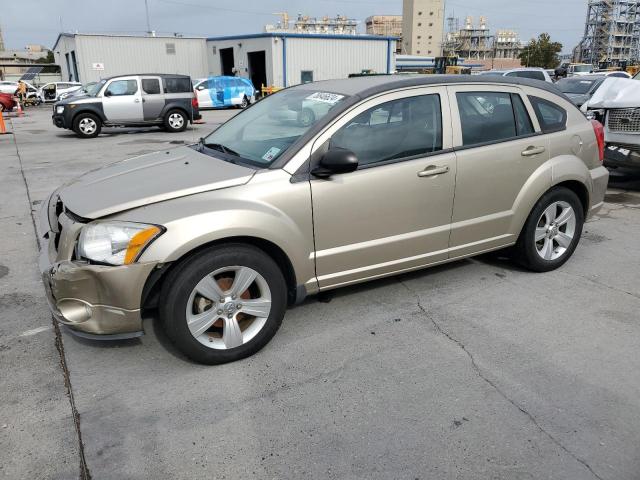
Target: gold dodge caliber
316,187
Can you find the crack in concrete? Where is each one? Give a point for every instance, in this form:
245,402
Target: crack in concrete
84,469
600,284
483,377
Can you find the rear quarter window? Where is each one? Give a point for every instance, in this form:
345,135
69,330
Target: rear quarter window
177,85
552,117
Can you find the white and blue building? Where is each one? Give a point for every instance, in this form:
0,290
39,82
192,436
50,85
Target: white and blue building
283,59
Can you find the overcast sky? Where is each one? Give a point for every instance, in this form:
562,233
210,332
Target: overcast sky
35,21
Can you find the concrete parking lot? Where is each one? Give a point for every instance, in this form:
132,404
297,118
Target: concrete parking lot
473,370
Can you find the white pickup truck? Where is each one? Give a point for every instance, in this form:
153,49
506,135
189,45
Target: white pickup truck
616,104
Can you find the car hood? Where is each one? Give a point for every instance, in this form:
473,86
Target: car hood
147,179
616,93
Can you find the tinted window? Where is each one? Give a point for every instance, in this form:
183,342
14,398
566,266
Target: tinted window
151,86
394,130
575,85
552,117
534,74
177,85
485,117
123,87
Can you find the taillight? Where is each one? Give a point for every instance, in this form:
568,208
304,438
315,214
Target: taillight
194,101
599,130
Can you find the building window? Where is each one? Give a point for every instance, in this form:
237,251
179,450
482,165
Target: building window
430,37
419,24
419,36
215,50
171,48
419,13
418,52
431,24
431,13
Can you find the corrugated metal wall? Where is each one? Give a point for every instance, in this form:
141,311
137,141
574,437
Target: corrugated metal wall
241,47
334,58
124,55
65,45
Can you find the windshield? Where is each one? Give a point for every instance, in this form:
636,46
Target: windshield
582,68
572,85
637,76
262,133
92,90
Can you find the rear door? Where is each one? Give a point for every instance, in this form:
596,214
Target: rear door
122,100
152,98
202,92
498,146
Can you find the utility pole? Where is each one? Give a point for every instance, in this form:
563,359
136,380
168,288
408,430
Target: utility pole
146,8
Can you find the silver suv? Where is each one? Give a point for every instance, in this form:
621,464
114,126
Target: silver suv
129,101
397,174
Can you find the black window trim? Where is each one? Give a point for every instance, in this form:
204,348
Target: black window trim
565,115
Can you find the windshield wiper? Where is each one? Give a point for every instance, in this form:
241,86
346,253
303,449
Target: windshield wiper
219,147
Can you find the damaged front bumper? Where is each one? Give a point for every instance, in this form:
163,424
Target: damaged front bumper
95,301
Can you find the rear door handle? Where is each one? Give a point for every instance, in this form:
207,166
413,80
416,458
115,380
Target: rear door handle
532,151
433,170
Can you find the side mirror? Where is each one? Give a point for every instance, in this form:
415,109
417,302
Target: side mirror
107,93
200,87
334,162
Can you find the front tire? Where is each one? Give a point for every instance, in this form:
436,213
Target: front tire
175,121
223,304
87,125
552,231
245,102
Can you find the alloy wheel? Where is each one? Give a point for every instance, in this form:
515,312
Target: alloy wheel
87,126
176,120
555,230
228,307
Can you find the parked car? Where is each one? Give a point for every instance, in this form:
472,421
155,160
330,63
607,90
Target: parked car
222,92
580,89
12,88
50,92
527,72
7,102
76,93
130,101
616,104
580,69
222,235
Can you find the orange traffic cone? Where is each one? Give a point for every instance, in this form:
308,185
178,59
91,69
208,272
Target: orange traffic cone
20,111
3,128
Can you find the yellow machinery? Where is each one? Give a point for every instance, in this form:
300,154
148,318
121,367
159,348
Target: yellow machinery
458,70
269,90
633,70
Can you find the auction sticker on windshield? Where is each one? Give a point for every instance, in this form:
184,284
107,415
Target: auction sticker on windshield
325,97
271,154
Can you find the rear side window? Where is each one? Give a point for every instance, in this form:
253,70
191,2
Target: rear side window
151,86
394,130
177,85
552,117
491,117
534,74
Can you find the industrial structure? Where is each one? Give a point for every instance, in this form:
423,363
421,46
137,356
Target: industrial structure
506,44
284,59
422,27
385,26
278,59
338,25
612,33
1,40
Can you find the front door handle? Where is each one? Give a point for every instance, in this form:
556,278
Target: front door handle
137,100
532,151
433,170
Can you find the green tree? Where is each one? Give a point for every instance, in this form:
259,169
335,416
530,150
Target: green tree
48,59
541,52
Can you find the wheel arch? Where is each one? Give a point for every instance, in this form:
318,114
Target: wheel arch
153,284
92,111
175,106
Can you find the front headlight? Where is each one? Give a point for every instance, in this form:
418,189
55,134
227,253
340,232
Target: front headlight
116,243
596,114
59,109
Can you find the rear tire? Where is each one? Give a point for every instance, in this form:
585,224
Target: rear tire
87,125
205,313
552,231
175,121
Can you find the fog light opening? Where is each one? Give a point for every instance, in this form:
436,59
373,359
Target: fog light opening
74,311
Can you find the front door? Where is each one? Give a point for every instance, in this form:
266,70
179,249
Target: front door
122,101
394,212
152,98
498,146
